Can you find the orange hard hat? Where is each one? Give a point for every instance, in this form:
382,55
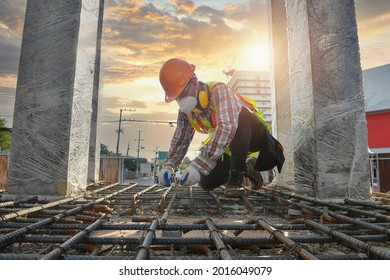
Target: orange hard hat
174,77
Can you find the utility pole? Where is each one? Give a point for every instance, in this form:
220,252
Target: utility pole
139,141
128,148
155,162
120,129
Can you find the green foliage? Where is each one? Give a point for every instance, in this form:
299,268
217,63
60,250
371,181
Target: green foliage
131,163
104,149
5,137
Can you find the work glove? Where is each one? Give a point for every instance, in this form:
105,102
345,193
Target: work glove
190,176
165,175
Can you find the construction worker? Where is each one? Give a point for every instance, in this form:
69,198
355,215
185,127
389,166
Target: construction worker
234,128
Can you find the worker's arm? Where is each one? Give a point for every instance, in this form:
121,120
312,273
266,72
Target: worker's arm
228,108
180,142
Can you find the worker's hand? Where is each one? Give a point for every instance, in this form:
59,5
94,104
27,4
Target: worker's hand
190,176
165,175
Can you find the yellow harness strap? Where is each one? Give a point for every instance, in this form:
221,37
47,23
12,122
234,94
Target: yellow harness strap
204,126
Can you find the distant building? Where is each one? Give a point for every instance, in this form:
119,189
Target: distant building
376,84
255,85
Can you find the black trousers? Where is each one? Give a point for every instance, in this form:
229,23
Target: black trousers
251,136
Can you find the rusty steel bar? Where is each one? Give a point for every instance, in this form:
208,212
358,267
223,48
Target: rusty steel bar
215,235
163,197
286,241
92,257
17,202
164,218
356,243
182,227
247,203
191,199
54,254
134,200
239,231
236,241
104,188
143,250
367,204
359,222
217,201
339,207
45,206
9,238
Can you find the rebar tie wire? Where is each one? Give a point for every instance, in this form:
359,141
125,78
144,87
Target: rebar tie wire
135,196
9,238
143,249
215,235
54,254
277,234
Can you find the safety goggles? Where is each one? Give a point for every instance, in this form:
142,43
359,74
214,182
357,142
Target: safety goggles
190,90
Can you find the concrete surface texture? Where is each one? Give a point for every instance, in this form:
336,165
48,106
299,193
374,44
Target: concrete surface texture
52,119
328,116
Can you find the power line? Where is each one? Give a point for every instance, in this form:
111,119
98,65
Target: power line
171,123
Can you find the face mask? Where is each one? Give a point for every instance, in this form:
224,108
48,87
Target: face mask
187,100
187,104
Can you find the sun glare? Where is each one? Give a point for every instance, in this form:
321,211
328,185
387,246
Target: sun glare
256,57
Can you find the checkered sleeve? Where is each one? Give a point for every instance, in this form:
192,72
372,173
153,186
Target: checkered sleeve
180,142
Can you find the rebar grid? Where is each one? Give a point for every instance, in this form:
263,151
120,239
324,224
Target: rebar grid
131,222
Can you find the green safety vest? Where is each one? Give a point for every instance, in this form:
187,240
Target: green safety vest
206,126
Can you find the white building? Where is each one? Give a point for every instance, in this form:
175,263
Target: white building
255,85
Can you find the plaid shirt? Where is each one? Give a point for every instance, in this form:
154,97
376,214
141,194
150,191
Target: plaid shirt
227,107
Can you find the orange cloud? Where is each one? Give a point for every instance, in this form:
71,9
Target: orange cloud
184,6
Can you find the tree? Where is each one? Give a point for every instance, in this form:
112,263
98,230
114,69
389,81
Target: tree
104,149
5,137
131,164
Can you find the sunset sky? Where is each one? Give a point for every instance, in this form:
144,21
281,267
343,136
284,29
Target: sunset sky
140,35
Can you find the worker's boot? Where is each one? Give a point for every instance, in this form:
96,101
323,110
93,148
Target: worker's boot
234,186
253,175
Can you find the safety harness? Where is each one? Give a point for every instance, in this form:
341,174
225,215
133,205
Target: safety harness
204,121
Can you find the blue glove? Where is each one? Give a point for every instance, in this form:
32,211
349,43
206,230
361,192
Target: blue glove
165,175
190,176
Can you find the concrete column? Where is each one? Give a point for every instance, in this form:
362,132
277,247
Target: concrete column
52,117
94,141
328,116
280,87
